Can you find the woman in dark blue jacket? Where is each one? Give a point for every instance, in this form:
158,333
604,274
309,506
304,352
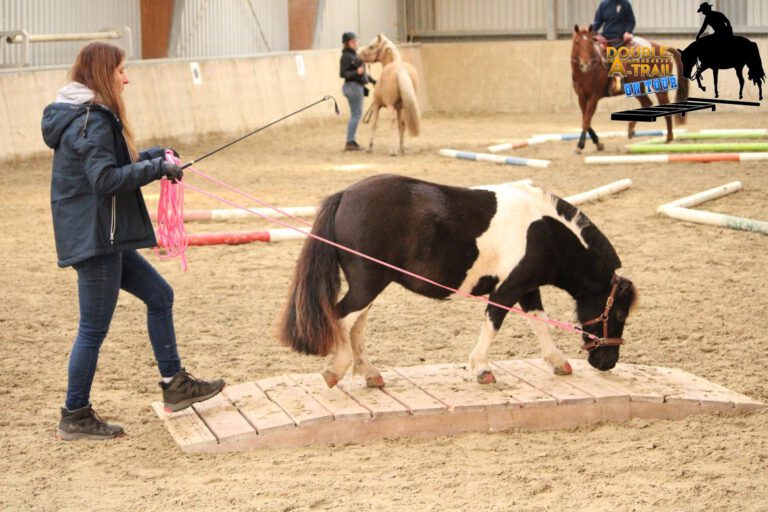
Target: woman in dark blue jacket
99,222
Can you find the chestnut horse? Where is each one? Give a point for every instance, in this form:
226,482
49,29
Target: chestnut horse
505,241
589,73
395,90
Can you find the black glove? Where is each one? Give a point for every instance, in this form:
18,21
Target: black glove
171,171
371,80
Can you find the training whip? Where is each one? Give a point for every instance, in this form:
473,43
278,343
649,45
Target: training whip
257,130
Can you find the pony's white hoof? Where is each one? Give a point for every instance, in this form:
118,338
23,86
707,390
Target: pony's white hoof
330,378
564,369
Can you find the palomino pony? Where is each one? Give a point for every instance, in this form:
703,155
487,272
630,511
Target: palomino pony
717,52
505,241
590,80
395,90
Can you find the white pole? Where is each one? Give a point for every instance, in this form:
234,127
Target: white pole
736,131
597,193
277,235
298,211
626,159
703,197
714,219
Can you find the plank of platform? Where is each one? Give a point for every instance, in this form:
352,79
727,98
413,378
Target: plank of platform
411,396
587,382
454,386
261,412
551,384
186,428
375,400
298,404
335,400
620,377
224,420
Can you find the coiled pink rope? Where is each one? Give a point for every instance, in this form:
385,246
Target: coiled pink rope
171,235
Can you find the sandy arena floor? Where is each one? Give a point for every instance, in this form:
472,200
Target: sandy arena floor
704,301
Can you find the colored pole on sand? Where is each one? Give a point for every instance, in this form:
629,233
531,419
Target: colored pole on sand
597,193
676,158
246,237
547,137
498,159
735,147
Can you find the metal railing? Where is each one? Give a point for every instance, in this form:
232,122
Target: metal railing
24,38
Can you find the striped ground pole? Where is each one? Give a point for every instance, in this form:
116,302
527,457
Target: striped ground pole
676,158
546,137
246,237
498,159
725,147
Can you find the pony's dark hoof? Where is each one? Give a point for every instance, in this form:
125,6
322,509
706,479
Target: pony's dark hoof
487,377
600,146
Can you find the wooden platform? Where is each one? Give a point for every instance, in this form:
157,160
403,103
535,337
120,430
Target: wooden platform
433,401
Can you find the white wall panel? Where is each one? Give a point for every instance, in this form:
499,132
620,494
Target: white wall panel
364,17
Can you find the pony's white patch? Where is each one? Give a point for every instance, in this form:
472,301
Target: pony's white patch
543,332
503,244
351,167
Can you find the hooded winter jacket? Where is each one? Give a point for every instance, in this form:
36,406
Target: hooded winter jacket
96,200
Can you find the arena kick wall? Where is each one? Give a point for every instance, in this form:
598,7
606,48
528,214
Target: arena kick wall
240,94
236,95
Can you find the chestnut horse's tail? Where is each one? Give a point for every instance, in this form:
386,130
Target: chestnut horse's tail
682,84
309,322
410,101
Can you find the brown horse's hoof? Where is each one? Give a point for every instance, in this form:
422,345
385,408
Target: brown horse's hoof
487,377
577,151
600,146
375,382
330,378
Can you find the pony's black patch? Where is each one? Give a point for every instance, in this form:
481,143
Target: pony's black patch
485,285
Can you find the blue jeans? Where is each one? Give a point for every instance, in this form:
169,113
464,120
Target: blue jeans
99,280
354,93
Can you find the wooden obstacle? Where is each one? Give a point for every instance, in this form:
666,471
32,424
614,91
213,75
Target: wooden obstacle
497,159
431,401
681,210
689,158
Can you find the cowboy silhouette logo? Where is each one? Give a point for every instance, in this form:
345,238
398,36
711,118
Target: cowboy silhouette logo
721,50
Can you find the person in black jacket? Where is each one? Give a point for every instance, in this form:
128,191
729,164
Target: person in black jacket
99,221
617,20
352,70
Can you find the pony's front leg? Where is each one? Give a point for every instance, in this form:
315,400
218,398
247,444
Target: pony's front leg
478,358
363,366
714,74
531,304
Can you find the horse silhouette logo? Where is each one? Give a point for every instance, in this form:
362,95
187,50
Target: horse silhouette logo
721,50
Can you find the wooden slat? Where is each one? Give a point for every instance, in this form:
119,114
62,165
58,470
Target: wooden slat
186,428
621,377
297,403
457,388
415,399
650,379
711,392
340,404
375,400
555,386
589,381
522,392
224,420
264,414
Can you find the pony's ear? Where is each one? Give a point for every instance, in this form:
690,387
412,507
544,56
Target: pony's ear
679,50
590,28
380,36
576,28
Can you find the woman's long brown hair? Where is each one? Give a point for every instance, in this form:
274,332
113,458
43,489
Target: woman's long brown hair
95,68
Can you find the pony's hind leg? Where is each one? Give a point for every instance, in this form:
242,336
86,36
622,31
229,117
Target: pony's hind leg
342,357
531,303
362,365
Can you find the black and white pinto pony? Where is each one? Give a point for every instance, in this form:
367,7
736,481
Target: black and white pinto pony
504,241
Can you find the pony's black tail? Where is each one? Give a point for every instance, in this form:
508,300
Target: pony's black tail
309,322
682,84
755,65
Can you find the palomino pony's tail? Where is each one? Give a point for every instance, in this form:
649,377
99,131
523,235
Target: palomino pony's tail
309,322
682,84
410,101
754,65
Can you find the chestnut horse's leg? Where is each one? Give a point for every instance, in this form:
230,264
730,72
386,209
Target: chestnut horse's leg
663,98
583,137
595,139
362,365
586,120
531,303
376,108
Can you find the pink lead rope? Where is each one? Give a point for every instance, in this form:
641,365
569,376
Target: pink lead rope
171,235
